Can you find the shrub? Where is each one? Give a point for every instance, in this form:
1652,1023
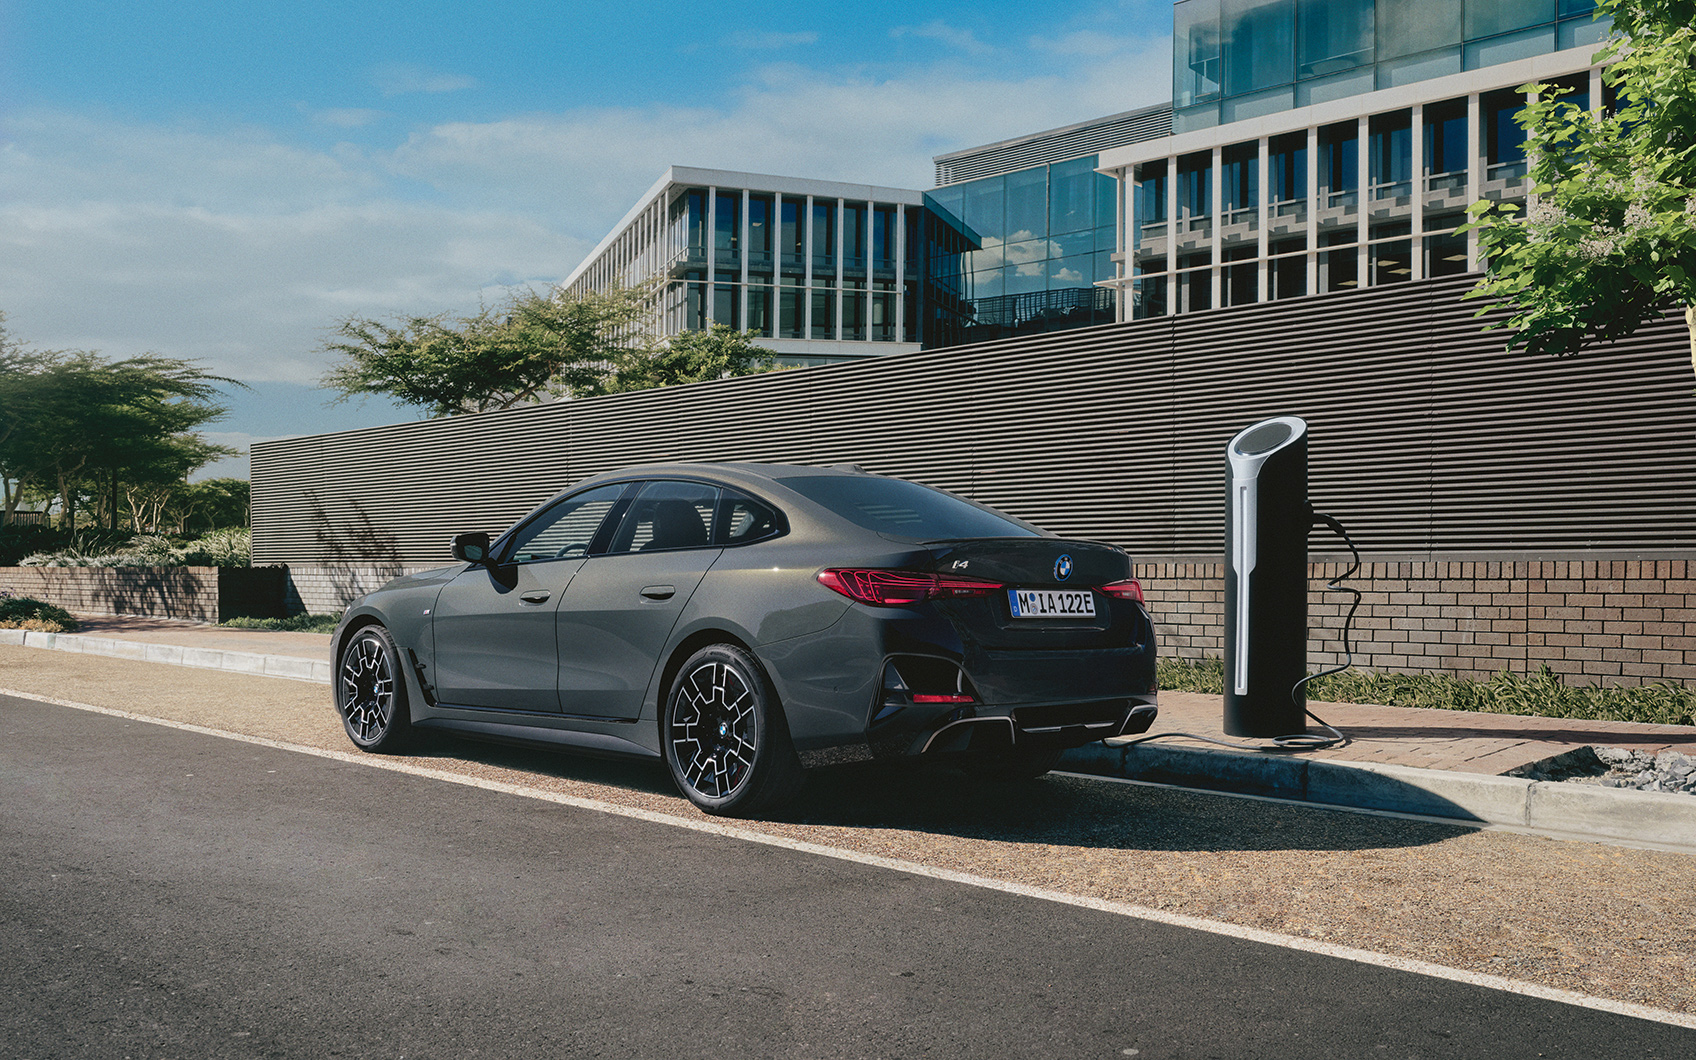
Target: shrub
221,548
23,612
1542,694
291,624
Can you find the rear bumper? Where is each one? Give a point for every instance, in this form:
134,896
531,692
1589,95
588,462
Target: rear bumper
840,709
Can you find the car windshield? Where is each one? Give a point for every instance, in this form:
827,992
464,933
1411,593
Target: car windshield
906,509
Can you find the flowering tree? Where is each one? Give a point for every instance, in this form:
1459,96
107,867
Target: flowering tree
1609,241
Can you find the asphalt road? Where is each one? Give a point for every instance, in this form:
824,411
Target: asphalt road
171,894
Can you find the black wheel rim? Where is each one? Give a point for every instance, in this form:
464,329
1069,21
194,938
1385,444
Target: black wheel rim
368,689
714,729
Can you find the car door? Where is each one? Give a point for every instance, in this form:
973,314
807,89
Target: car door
623,603
496,643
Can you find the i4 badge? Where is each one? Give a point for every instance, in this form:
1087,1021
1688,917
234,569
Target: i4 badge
1062,568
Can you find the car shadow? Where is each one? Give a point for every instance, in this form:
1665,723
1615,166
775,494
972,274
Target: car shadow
1056,810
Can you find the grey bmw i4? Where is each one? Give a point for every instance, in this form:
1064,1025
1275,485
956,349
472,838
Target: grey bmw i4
749,622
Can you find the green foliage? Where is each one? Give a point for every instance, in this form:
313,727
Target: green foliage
1610,239
215,504
29,613
692,357
75,425
1542,694
535,344
292,624
230,547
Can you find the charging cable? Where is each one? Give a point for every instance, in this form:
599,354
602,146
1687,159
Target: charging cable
1301,741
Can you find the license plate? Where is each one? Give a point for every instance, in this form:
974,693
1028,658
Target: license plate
1052,603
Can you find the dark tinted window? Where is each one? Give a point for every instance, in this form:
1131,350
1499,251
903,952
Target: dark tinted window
742,519
668,515
906,509
565,530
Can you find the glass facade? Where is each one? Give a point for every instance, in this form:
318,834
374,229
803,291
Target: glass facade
1038,239
1237,59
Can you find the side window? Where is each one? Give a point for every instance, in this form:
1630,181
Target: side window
566,530
668,515
742,519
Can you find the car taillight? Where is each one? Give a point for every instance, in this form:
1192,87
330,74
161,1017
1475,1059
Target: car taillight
898,588
1129,589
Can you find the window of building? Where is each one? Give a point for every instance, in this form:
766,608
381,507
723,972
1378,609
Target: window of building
727,305
794,235
1071,190
1259,44
1410,28
1196,66
727,230
760,309
1390,154
1504,144
823,234
760,233
1239,282
823,313
1333,36
1239,192
792,311
884,237
1195,191
883,311
1027,205
854,236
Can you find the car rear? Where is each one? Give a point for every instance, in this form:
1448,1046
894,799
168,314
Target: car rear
986,642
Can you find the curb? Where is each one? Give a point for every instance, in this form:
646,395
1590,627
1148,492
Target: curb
291,667
1570,810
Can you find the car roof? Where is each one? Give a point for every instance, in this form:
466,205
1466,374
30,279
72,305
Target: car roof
744,472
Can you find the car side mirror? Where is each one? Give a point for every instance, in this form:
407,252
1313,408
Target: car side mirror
470,548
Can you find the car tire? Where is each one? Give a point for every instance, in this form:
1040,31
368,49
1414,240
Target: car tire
371,692
725,737
1023,761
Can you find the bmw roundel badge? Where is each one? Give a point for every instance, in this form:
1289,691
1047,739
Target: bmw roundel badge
1062,568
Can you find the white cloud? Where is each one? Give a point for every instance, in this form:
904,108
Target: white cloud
963,40
239,247
402,79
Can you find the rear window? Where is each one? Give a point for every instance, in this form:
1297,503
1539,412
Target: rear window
906,509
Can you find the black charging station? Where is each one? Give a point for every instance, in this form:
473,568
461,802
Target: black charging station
1267,518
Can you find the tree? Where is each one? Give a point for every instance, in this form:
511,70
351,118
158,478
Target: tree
535,344
75,424
1609,241
691,357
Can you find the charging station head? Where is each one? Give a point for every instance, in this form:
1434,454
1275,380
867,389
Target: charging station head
1256,443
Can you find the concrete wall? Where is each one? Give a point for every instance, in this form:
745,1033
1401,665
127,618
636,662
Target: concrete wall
1600,621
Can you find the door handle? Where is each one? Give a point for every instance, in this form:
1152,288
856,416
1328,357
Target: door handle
535,596
659,592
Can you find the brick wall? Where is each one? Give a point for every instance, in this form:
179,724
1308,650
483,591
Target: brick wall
1607,621
201,594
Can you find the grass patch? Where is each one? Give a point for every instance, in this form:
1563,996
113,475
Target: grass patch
1541,694
292,624
24,612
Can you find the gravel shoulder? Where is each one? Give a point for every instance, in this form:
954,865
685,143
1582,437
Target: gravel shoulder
1608,921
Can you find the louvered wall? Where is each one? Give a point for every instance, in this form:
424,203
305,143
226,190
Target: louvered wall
1427,438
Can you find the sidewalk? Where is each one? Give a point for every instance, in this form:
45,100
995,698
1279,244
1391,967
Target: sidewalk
1437,763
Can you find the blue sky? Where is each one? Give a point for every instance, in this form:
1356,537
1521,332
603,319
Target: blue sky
225,181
